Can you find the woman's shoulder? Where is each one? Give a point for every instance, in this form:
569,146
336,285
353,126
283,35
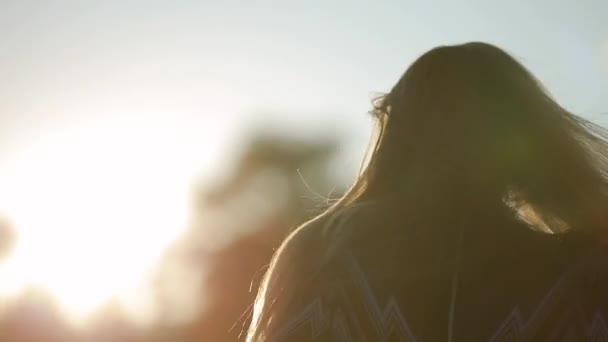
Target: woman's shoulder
326,230
309,253
298,277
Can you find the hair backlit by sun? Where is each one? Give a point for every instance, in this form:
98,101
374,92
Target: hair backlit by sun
95,206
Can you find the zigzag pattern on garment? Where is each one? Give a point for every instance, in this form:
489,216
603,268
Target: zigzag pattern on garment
389,322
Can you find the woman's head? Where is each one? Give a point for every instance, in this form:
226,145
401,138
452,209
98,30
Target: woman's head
469,122
466,127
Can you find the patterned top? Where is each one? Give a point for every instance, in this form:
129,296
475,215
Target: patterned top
353,311
524,286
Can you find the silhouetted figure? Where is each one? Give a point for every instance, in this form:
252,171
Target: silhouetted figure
480,215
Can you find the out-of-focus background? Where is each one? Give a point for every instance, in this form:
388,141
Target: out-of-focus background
153,154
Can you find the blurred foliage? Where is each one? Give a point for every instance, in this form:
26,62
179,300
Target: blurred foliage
276,183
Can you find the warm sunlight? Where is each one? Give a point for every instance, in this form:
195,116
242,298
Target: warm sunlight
95,205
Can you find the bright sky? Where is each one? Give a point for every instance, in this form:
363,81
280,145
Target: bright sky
108,109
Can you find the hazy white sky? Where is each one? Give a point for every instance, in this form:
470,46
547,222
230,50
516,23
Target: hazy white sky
73,60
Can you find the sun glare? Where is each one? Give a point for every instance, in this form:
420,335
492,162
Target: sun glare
95,206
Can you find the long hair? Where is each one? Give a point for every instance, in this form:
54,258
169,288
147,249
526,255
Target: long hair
469,120
468,128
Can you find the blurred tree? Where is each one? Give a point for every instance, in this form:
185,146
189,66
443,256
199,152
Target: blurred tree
276,183
267,162
303,164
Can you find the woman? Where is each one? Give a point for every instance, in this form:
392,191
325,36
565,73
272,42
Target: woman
480,215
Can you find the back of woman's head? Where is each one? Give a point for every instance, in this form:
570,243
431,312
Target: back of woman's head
468,124
466,133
